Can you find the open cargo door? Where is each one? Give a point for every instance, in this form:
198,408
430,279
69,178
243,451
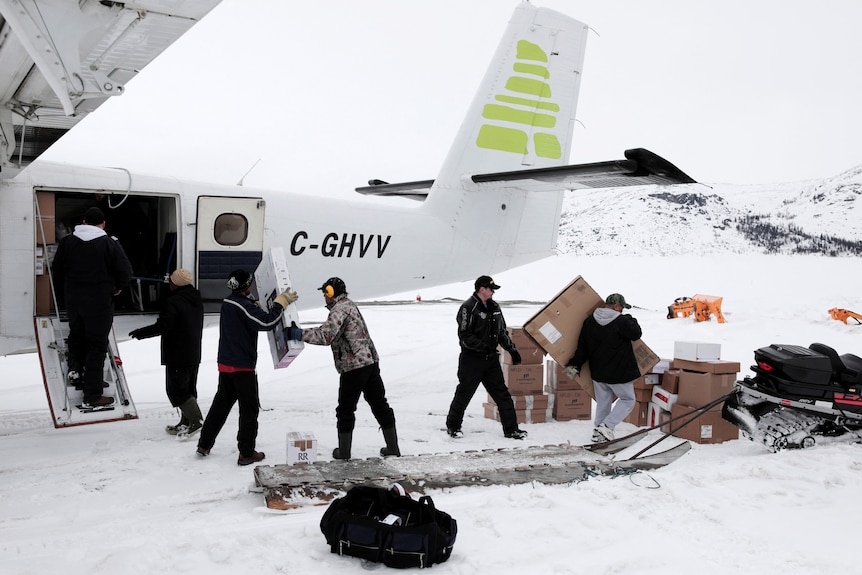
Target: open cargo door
63,399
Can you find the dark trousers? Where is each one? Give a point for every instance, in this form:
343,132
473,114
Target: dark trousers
181,383
90,320
473,370
363,381
237,387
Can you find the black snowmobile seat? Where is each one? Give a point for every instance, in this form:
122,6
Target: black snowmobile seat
852,376
834,360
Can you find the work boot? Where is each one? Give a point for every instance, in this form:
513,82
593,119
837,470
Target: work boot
391,437
345,440
101,402
248,459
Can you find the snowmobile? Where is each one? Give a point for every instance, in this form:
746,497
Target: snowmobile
796,395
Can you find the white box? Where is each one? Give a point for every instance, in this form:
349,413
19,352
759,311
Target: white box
272,278
663,398
696,350
654,413
301,448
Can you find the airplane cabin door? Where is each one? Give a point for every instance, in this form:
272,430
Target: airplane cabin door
229,236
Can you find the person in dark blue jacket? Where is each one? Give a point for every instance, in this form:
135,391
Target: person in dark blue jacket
606,342
241,320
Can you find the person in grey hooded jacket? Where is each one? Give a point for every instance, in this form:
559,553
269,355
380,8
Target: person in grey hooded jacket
606,342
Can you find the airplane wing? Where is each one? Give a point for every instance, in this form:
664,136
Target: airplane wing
61,59
640,167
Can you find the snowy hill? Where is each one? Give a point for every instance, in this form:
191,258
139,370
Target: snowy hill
801,217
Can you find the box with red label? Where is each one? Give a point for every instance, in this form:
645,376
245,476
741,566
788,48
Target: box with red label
657,416
664,398
524,379
568,405
696,350
301,448
709,427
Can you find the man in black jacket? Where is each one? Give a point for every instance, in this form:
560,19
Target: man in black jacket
180,323
239,323
89,269
606,342
481,328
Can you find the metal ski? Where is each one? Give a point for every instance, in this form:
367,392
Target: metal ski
291,486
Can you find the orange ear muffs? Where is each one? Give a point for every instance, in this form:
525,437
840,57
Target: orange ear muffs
329,291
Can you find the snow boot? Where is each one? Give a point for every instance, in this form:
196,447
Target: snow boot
391,437
192,413
345,440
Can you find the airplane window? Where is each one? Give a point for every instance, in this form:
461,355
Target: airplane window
230,229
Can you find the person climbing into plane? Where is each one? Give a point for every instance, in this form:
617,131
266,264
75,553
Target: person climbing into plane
481,328
240,320
89,269
358,364
180,325
606,342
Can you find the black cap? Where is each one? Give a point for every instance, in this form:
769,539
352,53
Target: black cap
333,286
238,280
485,281
94,216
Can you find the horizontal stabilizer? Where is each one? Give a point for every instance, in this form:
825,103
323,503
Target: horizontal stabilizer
639,168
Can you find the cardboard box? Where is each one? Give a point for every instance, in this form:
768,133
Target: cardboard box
670,380
44,297
569,405
301,448
638,415
696,350
556,379
709,427
663,398
524,379
522,415
526,401
697,389
272,278
530,351
708,366
556,328
45,219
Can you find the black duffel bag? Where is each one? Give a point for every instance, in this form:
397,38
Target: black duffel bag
389,527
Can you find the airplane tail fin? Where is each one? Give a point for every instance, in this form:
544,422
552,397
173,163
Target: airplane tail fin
521,118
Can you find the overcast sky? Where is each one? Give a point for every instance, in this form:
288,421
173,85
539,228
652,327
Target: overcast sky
329,94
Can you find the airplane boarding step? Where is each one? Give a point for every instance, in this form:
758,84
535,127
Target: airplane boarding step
64,399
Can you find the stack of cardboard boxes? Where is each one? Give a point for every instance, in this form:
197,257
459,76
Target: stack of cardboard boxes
696,377
524,381
567,399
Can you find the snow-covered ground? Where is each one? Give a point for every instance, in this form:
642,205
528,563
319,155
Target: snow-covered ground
127,498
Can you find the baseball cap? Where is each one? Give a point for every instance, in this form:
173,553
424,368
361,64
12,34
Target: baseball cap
617,299
485,281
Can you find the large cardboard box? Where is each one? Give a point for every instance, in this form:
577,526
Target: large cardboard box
639,415
301,448
709,427
708,366
272,278
45,222
568,405
556,328
697,389
556,379
524,379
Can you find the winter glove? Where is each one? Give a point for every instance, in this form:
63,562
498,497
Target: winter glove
571,371
285,298
516,357
136,333
293,333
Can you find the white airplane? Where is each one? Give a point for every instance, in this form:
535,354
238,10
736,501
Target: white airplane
494,204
